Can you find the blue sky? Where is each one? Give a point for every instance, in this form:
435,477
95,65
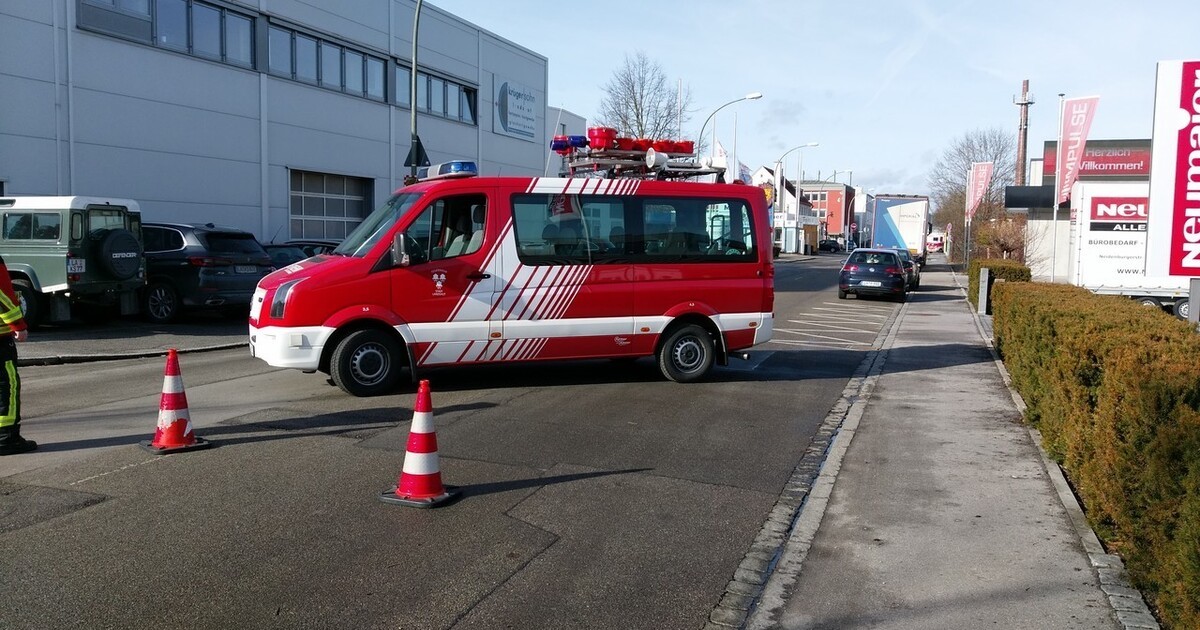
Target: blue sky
884,86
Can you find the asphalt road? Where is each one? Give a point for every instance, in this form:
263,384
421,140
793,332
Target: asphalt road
595,494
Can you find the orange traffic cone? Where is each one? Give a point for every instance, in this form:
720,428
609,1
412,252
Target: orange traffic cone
420,483
174,433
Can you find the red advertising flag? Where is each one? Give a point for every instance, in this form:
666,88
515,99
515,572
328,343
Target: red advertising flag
1077,121
977,186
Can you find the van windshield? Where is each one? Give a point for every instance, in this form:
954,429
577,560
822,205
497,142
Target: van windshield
375,227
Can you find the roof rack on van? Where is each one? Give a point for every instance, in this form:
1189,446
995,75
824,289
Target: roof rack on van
604,154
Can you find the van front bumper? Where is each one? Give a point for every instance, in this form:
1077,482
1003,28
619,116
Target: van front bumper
299,347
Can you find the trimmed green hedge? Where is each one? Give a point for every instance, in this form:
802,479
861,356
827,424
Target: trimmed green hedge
1114,388
999,269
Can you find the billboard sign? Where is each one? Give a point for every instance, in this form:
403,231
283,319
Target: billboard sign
1100,161
1173,233
516,110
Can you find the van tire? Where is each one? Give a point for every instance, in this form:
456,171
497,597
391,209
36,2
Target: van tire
366,363
120,254
160,303
30,302
1180,309
686,355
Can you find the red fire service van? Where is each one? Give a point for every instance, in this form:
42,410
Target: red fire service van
460,269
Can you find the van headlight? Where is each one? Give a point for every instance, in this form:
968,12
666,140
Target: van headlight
280,299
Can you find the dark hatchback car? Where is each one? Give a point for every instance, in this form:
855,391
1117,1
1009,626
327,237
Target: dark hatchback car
829,245
193,266
912,268
873,272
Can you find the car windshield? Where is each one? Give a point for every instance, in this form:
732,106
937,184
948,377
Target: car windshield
375,227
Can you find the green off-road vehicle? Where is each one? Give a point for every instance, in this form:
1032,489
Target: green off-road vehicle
81,254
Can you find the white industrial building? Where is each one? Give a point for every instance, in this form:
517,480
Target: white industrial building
287,118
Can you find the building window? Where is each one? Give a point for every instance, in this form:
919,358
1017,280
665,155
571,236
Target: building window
354,73
306,59
239,38
453,101
331,66
422,101
437,96
136,7
279,48
375,72
171,24
327,206
467,114
187,26
206,31
403,86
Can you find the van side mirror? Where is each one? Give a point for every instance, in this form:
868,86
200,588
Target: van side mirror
400,255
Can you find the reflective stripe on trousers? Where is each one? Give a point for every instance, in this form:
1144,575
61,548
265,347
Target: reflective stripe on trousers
10,384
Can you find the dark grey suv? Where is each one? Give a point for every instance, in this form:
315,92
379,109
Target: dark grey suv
191,266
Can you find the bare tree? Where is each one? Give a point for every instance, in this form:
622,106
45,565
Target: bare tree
948,182
639,102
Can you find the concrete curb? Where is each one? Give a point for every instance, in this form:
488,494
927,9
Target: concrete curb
117,356
1127,603
761,584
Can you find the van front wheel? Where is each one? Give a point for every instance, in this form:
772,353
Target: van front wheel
365,363
687,354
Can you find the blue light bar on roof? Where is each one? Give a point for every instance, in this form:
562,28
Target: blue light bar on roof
457,168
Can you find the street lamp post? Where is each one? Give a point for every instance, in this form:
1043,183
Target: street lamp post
780,179
753,96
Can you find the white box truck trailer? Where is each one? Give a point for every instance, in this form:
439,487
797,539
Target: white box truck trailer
1108,246
902,222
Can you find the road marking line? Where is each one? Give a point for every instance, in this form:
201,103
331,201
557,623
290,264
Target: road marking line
835,342
825,326
125,467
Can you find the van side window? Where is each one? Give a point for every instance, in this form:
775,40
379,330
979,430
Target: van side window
18,226
76,226
562,229
450,227
593,229
697,230
46,226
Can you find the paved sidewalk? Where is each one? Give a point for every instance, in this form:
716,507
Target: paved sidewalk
936,507
129,338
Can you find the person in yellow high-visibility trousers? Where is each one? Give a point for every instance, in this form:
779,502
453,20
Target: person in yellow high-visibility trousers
12,330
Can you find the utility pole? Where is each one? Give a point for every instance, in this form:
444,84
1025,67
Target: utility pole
1023,101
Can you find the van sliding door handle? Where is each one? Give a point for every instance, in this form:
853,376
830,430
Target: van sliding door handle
478,275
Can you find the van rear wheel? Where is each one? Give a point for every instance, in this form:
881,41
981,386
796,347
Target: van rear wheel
687,354
365,363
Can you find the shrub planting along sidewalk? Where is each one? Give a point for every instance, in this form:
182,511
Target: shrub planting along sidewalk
1114,388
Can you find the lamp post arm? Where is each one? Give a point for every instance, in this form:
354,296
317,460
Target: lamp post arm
748,97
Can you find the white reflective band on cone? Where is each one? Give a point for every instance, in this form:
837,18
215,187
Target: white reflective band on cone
167,417
172,385
422,422
420,463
